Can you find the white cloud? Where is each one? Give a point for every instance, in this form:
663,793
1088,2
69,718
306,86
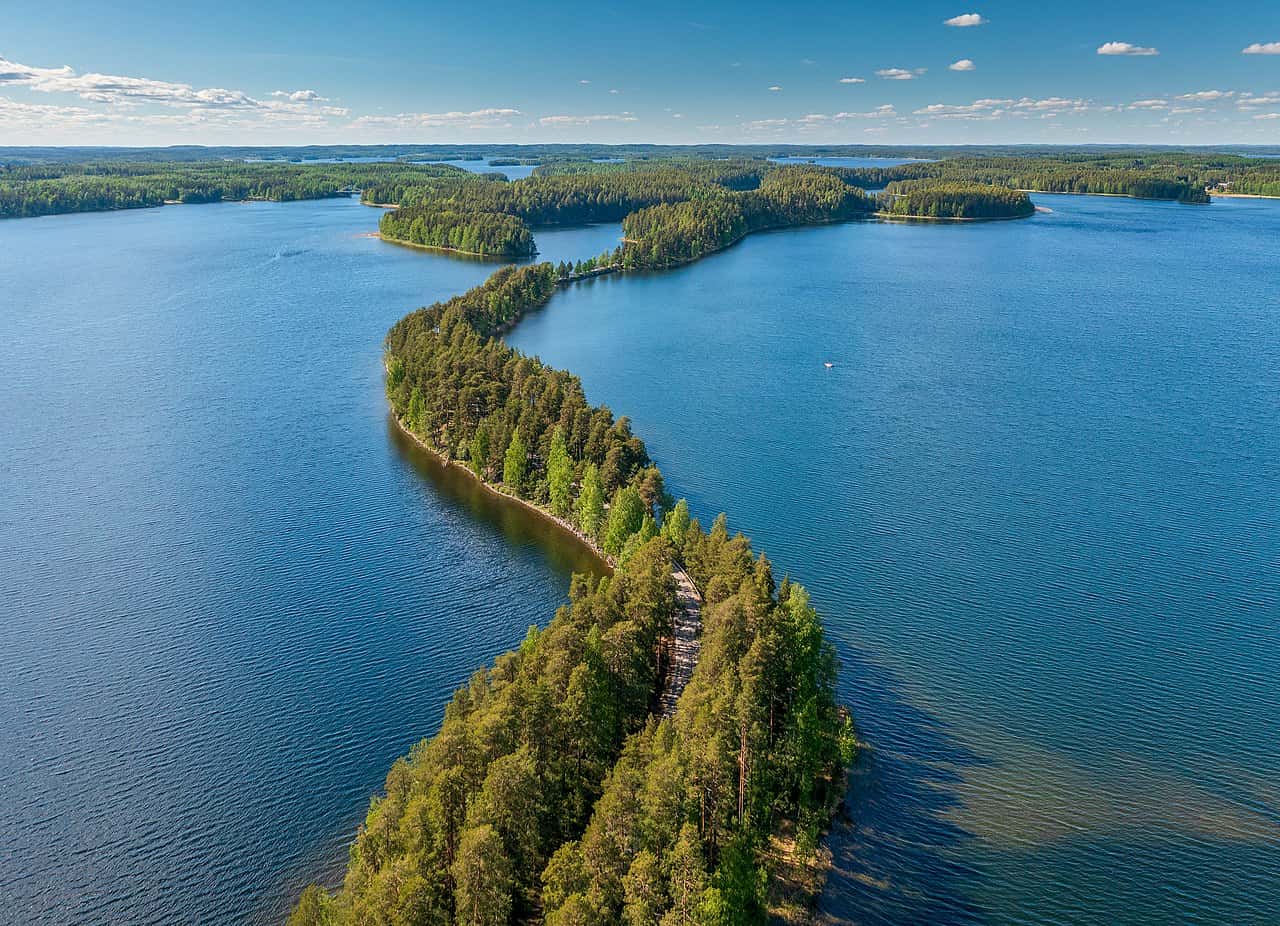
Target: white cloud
987,109
978,109
584,82
817,120
1149,104
300,96
774,89
494,118
964,64
1206,95
615,91
900,73
852,80
127,94
586,120
1258,99
1262,48
43,116
1267,116
1125,48
966,19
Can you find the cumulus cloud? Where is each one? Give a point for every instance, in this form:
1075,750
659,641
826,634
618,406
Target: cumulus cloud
562,120
1206,95
852,80
989,109
818,120
1261,48
1250,100
584,82
1125,48
300,96
1149,104
966,19
900,73
774,89
494,118
1267,116
43,116
126,94
964,64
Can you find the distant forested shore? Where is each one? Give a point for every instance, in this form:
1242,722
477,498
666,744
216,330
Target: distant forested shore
40,181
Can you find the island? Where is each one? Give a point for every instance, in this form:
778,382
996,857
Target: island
942,200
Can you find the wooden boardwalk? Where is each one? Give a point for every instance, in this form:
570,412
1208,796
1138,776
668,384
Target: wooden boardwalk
688,641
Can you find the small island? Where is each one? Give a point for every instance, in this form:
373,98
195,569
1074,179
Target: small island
950,201
484,234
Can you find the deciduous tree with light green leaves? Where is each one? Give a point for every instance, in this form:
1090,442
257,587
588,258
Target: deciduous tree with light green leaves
590,509
626,517
675,525
516,463
559,474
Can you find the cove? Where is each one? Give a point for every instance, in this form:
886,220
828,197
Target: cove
1035,500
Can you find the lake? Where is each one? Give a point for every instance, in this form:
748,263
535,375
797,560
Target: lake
1034,499
1037,501
234,594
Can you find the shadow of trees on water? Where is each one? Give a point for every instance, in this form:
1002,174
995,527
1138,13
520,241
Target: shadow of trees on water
897,854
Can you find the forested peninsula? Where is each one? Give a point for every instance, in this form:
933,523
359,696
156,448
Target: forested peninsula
554,792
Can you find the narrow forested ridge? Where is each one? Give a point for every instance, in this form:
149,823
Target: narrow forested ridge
556,790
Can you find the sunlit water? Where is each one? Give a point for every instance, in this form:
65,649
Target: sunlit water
1036,499
230,593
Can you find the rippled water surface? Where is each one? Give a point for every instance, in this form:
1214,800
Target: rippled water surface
230,594
1036,498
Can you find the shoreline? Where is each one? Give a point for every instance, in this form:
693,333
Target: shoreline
1141,199
1213,193
534,507
441,249
891,217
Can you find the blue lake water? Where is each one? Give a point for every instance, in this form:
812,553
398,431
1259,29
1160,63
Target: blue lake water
1035,499
232,594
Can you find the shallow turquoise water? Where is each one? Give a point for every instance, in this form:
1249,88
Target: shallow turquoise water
1036,500
232,594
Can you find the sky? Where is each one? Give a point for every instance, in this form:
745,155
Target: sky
971,72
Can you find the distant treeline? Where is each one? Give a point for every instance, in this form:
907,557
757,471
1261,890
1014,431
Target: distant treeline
54,189
941,199
1165,175
671,212
551,792
589,152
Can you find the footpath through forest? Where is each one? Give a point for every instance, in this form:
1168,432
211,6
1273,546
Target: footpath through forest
687,625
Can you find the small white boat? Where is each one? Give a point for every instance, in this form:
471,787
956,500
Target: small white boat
828,364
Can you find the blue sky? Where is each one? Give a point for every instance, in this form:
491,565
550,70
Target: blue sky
143,73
